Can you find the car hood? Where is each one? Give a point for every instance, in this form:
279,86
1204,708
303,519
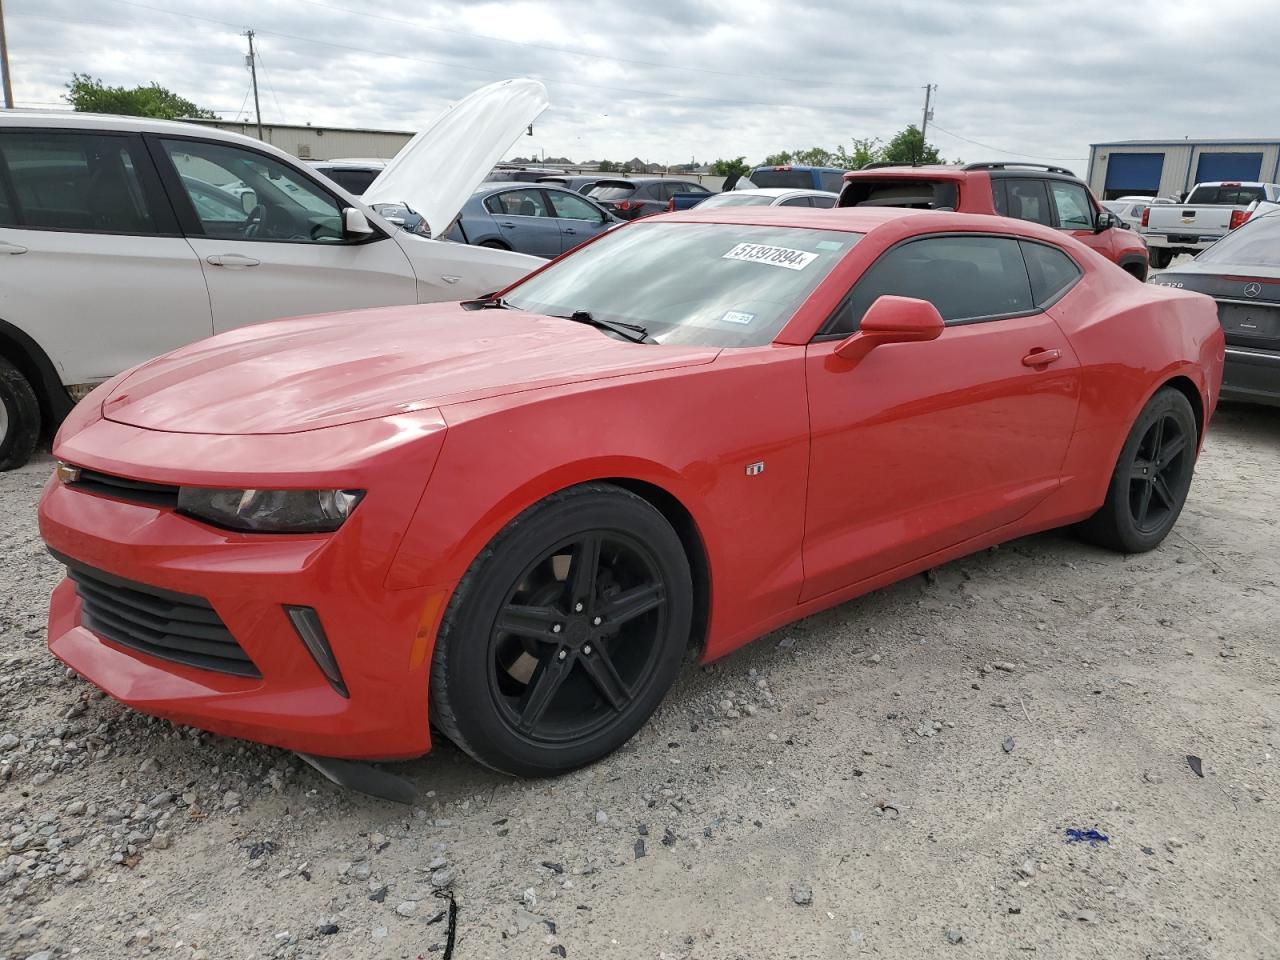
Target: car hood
303,374
441,167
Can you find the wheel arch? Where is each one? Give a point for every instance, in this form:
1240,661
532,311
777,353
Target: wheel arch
1187,387
17,346
1135,266
686,527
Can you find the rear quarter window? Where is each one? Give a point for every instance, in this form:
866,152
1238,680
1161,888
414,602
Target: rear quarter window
1052,272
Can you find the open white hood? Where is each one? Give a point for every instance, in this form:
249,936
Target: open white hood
438,170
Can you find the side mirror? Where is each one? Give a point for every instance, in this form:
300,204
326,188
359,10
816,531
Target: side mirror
355,223
248,201
892,320
1106,220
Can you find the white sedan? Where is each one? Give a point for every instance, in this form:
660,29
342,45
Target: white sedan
123,238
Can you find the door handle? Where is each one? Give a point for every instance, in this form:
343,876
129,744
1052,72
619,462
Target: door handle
231,260
11,248
570,230
1041,358
506,223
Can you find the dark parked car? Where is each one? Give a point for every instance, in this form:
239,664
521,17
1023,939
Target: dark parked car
1242,273
634,197
354,176
578,183
538,219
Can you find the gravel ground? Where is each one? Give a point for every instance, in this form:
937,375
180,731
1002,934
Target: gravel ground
891,778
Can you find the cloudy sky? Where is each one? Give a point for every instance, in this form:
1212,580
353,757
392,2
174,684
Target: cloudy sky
669,81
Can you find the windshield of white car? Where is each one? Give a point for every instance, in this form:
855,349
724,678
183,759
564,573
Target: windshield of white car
697,284
1256,244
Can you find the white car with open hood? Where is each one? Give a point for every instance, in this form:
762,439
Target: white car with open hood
122,238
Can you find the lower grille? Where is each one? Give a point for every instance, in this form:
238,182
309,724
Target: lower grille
164,624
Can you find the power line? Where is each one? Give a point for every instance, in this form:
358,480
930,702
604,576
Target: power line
1014,153
270,86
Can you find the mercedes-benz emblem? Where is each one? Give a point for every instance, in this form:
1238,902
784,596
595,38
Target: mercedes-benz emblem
1252,289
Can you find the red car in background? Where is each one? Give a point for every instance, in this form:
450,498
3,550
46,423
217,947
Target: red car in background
515,515
1052,196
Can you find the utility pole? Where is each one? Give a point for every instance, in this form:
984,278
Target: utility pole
253,72
4,63
924,123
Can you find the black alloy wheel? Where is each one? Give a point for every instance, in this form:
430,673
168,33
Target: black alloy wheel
1156,472
577,637
1151,479
565,633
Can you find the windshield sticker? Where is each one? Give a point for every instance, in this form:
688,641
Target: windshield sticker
773,256
830,245
737,316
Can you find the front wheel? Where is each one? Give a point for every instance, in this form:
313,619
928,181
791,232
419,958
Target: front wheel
1150,482
19,417
565,633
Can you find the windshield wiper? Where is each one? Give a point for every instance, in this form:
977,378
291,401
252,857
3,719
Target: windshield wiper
630,331
486,303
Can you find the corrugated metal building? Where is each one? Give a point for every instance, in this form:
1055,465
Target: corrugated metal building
1170,168
320,143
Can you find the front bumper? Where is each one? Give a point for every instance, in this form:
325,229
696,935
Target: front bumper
1252,375
381,638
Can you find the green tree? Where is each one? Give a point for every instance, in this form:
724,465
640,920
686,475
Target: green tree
865,150
776,159
607,166
727,168
813,157
909,147
90,95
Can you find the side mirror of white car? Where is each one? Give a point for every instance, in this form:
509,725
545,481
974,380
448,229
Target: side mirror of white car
355,223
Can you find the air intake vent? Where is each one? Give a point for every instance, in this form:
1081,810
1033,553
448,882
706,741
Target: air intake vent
164,624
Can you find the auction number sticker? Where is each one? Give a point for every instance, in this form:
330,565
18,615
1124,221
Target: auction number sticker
773,256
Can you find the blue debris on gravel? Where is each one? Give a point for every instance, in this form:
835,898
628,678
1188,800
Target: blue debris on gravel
1091,837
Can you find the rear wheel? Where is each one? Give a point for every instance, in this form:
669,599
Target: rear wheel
1151,479
565,633
19,417
1161,257
493,245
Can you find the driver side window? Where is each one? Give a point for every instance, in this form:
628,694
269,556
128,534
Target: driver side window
241,195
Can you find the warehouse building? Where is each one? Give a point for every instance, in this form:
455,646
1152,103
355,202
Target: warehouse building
1170,168
319,143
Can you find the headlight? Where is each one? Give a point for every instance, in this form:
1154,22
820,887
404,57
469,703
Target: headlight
270,511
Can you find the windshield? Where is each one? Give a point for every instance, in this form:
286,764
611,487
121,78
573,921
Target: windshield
799,179
737,200
1256,244
701,284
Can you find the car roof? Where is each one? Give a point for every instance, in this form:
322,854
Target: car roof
493,186
867,219
75,120
782,192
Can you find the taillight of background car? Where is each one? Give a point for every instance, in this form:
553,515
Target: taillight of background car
1238,217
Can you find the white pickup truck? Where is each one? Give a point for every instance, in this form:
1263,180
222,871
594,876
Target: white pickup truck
1210,211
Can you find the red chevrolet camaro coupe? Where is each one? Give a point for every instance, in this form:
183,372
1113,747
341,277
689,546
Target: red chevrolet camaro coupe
514,516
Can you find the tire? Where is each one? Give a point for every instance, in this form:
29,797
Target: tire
603,668
493,245
19,417
1161,257
1150,482
1137,270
